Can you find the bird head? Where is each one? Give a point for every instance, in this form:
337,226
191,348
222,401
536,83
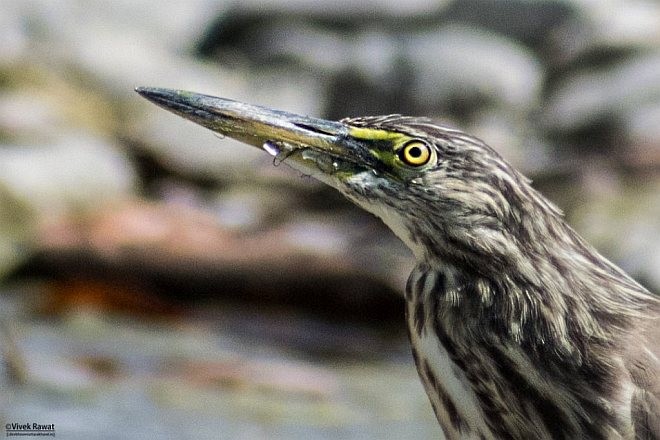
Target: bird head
506,254
447,195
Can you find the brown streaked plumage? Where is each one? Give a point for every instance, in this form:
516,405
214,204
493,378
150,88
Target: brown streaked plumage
519,328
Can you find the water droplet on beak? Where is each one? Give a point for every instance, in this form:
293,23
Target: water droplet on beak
271,148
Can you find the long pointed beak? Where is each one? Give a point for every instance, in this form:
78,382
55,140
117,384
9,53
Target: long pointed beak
251,124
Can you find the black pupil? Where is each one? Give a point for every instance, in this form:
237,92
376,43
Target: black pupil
415,152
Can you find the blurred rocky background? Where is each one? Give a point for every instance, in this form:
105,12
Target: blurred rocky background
159,282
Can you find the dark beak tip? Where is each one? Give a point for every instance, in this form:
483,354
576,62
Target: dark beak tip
152,93
166,98
148,93
143,90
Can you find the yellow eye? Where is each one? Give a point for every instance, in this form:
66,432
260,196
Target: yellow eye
415,153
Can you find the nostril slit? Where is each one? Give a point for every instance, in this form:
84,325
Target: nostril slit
313,128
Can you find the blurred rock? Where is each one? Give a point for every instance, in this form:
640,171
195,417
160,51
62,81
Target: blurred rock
516,140
608,27
530,22
338,9
78,174
12,364
435,64
60,375
12,34
76,293
18,222
240,32
39,183
24,114
251,207
183,252
604,94
271,377
462,66
619,215
37,106
41,20
644,133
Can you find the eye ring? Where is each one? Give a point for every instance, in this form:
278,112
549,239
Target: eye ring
415,153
